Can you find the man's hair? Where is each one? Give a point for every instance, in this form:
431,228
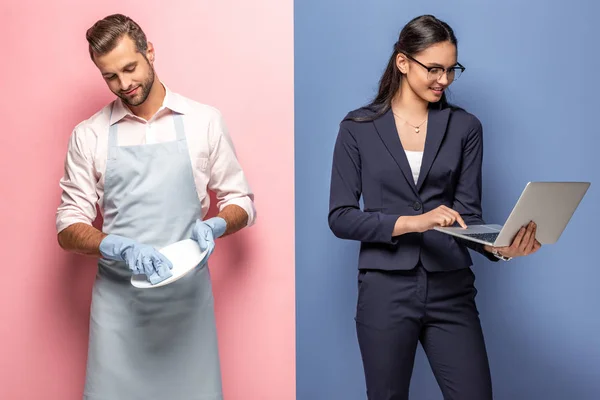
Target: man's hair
104,35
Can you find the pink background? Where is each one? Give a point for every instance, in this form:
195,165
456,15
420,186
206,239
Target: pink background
235,55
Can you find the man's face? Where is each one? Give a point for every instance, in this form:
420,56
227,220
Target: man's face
128,73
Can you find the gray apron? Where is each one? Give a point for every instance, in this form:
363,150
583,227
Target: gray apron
158,343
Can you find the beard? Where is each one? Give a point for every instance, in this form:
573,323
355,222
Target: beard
144,91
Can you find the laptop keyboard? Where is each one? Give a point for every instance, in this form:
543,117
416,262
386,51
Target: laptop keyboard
488,237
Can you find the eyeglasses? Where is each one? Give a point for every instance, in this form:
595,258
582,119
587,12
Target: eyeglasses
435,73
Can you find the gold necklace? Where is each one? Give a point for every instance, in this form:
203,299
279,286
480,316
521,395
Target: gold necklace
416,127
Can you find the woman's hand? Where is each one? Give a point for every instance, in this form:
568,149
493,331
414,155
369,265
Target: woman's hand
441,216
523,244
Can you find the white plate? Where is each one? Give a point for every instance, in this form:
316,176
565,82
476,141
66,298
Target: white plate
184,255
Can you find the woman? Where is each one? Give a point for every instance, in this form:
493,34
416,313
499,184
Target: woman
416,161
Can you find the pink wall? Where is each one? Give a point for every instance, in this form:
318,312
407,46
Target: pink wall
235,55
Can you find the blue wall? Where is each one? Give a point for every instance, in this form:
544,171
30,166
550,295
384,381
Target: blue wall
532,79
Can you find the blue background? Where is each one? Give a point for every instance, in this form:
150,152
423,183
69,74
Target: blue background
533,79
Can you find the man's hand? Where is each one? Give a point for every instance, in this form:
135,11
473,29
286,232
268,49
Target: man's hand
140,258
205,233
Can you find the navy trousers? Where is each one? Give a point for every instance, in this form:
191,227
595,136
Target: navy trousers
398,309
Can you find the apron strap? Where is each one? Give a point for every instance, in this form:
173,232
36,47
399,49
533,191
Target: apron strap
112,137
179,129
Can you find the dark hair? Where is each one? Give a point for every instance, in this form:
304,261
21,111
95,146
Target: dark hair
416,36
105,34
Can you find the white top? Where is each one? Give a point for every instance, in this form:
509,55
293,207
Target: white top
414,160
212,154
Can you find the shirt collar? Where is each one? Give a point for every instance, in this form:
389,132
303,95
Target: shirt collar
172,101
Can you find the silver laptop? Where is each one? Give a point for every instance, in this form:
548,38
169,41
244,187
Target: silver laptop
549,204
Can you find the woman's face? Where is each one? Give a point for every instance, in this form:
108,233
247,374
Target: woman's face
429,85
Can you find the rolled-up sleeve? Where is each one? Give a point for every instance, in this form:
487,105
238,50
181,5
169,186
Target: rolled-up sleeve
78,183
227,179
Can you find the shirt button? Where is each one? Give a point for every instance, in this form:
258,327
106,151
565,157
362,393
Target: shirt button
416,206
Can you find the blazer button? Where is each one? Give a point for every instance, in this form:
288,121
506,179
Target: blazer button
416,206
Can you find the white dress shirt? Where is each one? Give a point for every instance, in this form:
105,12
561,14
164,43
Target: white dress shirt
414,160
212,154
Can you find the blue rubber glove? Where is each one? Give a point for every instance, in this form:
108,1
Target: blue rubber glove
205,233
140,258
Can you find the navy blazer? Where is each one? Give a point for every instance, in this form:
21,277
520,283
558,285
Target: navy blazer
369,161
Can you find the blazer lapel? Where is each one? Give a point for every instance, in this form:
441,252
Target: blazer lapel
436,129
386,128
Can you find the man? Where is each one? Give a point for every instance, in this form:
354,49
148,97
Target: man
148,160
